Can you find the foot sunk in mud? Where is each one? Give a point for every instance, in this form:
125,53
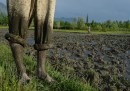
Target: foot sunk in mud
24,79
46,77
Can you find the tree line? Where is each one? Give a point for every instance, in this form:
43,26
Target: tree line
3,19
81,24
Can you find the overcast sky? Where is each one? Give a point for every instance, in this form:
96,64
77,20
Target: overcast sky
98,10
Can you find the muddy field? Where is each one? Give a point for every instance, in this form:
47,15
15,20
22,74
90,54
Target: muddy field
103,60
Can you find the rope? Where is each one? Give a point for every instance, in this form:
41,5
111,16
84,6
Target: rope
42,46
15,38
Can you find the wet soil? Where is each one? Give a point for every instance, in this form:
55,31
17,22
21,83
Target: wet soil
103,60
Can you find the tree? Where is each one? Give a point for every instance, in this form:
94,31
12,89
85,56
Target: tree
87,20
80,23
57,24
67,25
3,19
114,26
98,27
127,24
74,23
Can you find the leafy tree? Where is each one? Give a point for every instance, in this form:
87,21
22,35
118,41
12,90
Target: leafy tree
114,26
80,23
57,24
93,24
87,20
127,24
74,23
3,19
62,24
67,25
98,27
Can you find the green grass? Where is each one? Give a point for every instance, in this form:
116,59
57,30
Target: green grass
9,80
111,32
3,27
83,31
73,31
94,32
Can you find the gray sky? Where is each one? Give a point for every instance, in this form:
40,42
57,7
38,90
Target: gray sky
98,10
3,1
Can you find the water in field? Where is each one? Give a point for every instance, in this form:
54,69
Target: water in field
78,48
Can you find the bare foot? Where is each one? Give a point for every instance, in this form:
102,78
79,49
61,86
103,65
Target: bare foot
25,79
46,77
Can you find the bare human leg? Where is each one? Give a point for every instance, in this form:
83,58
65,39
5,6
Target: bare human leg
43,34
17,51
41,69
18,13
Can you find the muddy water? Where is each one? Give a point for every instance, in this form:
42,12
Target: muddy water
113,47
128,70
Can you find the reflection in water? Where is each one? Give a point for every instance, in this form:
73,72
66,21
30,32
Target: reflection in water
128,52
128,69
30,41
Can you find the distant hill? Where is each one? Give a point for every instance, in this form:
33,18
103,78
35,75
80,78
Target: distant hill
3,8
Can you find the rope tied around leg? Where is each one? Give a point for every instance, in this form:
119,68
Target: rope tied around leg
15,39
42,46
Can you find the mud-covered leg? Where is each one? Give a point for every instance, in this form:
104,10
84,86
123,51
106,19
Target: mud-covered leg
43,31
18,13
17,51
41,71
